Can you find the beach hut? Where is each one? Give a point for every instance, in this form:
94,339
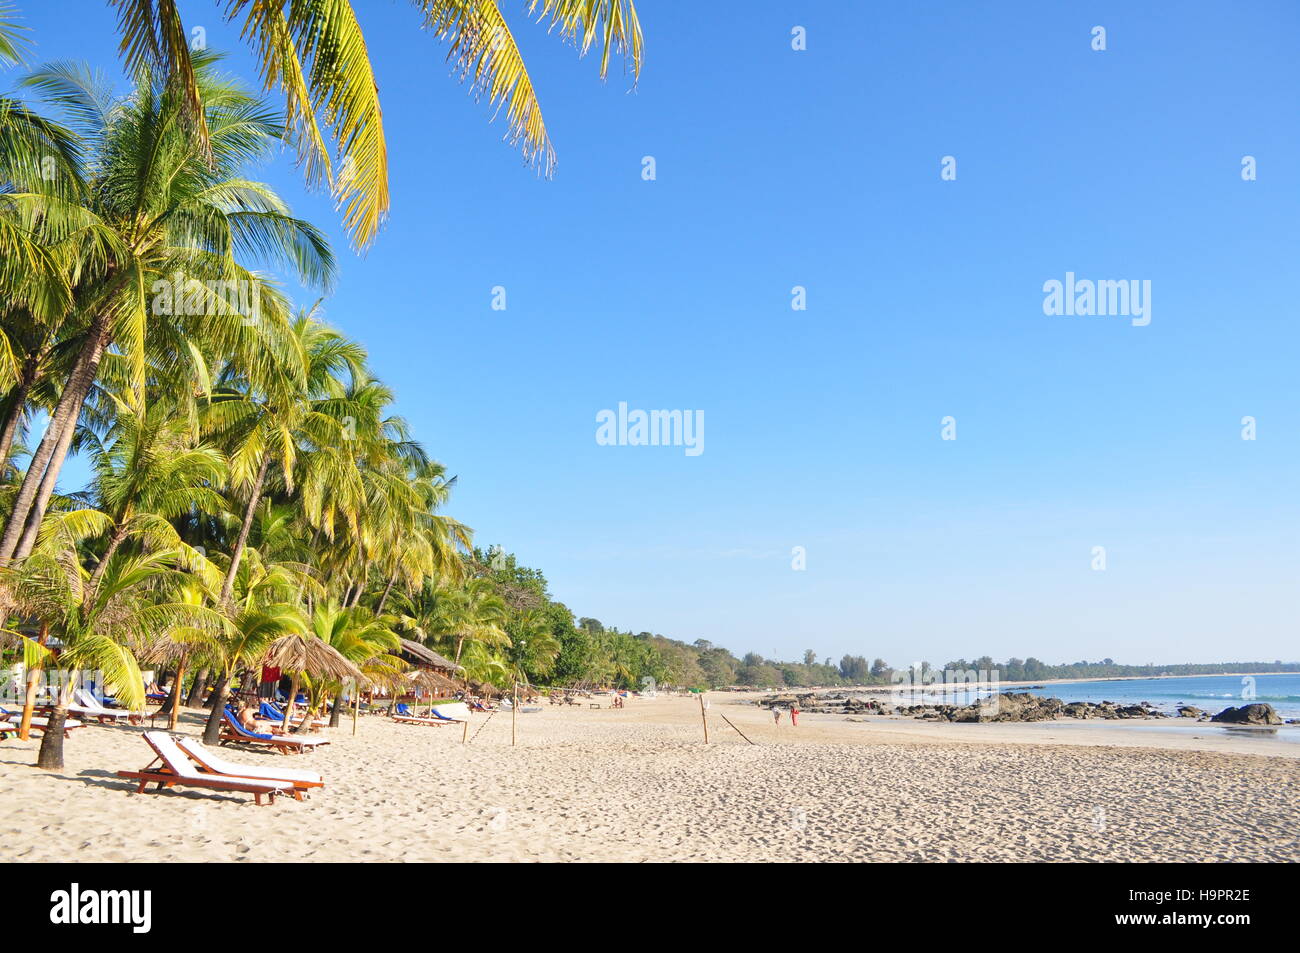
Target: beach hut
424,658
434,672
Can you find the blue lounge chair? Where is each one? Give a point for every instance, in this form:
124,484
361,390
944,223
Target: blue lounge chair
232,730
270,712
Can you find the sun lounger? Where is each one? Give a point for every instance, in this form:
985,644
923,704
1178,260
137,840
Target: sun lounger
233,731
88,707
175,767
39,722
269,712
211,762
413,720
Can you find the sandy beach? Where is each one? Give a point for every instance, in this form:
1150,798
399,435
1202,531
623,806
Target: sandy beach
639,785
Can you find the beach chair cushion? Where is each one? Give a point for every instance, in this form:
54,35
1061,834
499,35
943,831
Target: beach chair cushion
204,756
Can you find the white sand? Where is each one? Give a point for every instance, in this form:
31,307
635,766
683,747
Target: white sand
638,785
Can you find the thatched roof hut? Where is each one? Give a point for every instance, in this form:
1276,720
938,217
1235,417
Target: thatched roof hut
423,657
434,682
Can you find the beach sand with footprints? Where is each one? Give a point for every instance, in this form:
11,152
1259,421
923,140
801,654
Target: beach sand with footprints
639,784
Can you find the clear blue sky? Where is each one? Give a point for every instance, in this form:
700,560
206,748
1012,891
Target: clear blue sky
821,168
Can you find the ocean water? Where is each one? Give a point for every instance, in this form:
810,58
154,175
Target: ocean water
1211,693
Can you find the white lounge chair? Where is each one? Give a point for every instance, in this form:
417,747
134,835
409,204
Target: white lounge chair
208,760
87,706
177,768
38,721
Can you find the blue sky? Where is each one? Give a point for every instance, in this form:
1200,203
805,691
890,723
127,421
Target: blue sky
821,168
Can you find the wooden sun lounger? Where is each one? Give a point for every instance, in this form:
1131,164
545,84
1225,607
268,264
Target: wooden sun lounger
212,763
39,723
88,707
413,720
174,767
233,732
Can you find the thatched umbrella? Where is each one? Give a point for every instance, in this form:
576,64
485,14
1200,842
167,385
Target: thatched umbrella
435,682
303,654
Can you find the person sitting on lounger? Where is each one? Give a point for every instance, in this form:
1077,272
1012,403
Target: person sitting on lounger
249,720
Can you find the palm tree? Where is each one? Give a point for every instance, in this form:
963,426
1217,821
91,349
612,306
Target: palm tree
314,51
153,472
156,219
364,639
263,612
98,630
266,418
472,614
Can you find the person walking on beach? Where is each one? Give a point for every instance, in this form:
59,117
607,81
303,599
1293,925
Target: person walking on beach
776,713
794,715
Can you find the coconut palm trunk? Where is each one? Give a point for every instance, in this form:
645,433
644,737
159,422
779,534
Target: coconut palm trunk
195,696
288,706
241,542
50,756
18,398
379,610
336,713
34,494
29,699
114,542
29,704
173,704
212,731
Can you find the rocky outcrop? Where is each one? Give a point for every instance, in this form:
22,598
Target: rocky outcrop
1259,713
1022,706
1190,711
832,703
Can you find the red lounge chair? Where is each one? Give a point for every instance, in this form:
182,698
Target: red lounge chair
174,767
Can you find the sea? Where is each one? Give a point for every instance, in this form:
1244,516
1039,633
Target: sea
1210,693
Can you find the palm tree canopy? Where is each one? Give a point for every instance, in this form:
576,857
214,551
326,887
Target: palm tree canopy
314,52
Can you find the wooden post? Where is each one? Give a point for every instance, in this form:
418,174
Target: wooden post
356,703
464,735
704,719
514,715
